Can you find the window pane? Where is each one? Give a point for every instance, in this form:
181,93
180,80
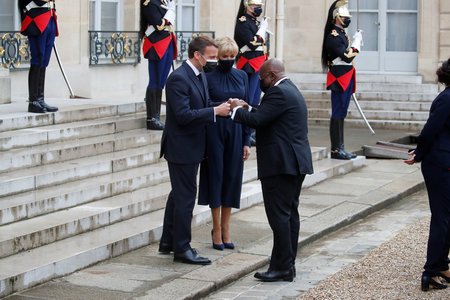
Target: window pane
368,21
92,15
188,1
363,4
402,32
7,15
188,18
402,4
109,16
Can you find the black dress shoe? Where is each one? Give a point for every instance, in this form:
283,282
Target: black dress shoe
191,257
165,248
272,275
428,280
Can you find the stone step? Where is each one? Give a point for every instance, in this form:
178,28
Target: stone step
49,175
28,268
43,230
353,113
14,118
34,203
322,77
374,105
64,132
380,95
413,126
376,86
63,151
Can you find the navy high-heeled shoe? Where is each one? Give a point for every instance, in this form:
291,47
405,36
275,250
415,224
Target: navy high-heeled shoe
228,245
428,280
219,247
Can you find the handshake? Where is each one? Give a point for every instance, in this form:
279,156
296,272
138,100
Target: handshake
225,108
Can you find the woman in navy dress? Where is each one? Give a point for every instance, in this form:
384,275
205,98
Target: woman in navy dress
433,150
227,147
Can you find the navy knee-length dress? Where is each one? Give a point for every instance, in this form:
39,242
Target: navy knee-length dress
221,171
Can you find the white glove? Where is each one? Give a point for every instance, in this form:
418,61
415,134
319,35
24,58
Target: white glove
170,13
263,28
171,5
357,40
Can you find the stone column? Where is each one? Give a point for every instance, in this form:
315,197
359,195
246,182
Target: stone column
5,86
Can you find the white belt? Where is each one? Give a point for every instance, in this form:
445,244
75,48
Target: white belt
339,62
247,48
151,29
31,5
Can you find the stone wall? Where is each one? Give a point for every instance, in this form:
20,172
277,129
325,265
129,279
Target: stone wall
5,86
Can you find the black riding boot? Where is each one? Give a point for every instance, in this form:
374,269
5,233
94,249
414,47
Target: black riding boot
34,106
41,88
341,139
336,151
150,102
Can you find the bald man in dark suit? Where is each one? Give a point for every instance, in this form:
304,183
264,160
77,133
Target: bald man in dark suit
284,159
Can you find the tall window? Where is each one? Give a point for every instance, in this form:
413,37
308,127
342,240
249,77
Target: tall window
187,15
105,15
9,15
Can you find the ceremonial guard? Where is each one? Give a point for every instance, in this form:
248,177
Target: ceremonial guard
159,47
338,58
39,24
250,35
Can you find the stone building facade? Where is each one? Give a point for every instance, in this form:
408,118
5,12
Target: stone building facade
402,37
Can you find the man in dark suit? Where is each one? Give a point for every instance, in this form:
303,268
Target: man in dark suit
183,146
284,159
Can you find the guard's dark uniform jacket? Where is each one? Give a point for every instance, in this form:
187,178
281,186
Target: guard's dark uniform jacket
340,58
251,46
160,35
36,16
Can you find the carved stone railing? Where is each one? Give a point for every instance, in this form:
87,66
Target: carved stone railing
14,51
114,47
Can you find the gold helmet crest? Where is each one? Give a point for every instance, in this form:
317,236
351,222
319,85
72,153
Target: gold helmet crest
341,9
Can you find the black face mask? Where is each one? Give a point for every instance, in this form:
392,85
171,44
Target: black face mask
346,23
257,11
226,64
210,66
263,88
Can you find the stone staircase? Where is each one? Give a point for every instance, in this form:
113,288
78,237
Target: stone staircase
388,101
86,184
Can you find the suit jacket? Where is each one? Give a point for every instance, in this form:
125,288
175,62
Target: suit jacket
281,123
187,115
434,139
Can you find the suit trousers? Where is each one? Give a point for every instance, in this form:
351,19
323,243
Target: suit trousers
281,199
437,181
179,207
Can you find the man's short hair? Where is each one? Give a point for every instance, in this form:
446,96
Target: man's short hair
199,44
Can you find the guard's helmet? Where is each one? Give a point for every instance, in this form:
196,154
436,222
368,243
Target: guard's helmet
341,9
253,2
